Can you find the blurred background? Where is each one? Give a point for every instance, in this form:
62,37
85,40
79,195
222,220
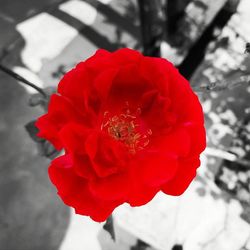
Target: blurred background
207,40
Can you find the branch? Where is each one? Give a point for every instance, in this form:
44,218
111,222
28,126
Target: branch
224,84
218,153
23,80
152,26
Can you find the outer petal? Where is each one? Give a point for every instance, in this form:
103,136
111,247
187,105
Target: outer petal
184,175
155,168
103,59
74,191
104,81
139,193
185,101
197,135
73,137
113,187
99,62
176,142
60,112
126,56
49,131
77,85
61,175
170,82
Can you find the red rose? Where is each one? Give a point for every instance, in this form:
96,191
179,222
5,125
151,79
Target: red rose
130,126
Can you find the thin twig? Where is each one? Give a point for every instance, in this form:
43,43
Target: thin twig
21,79
218,153
224,84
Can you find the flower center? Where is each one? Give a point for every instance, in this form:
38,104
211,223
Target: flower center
126,127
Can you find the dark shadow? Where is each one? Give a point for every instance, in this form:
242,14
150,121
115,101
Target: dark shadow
177,247
197,52
17,11
114,18
88,32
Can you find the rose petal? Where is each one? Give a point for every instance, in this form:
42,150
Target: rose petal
60,112
197,136
49,131
185,174
63,177
128,87
107,155
99,62
74,191
74,85
104,81
155,168
73,136
113,187
140,193
126,56
176,142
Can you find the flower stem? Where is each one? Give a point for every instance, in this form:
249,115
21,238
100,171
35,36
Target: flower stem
21,79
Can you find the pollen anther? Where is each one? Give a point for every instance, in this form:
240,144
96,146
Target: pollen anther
125,127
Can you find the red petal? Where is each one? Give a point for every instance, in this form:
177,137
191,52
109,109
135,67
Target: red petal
107,155
113,187
49,131
197,135
74,84
83,167
177,142
73,136
155,168
104,81
99,62
127,87
139,193
63,177
184,175
60,112
126,56
74,191
170,82
156,113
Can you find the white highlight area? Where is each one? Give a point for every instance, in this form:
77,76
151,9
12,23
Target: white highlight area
45,37
80,10
81,234
105,1
30,76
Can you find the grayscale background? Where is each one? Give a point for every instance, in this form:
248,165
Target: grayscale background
207,40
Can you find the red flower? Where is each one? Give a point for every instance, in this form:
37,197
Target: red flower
130,126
